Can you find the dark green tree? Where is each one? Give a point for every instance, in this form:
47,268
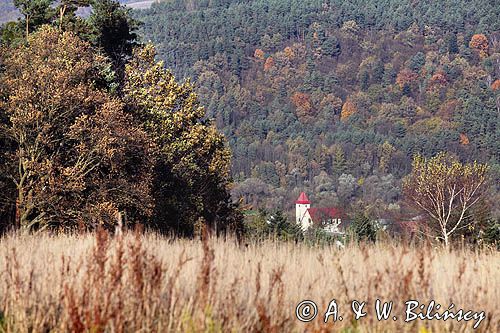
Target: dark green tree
282,229
492,233
417,61
35,13
113,30
363,228
331,47
452,44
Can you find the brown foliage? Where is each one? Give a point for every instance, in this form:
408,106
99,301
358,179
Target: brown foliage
288,51
78,158
406,76
438,79
495,85
464,139
303,104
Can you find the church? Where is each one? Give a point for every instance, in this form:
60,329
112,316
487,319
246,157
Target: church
328,218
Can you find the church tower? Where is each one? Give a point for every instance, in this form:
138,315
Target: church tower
301,206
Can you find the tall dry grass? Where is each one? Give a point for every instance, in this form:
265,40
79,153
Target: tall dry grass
146,283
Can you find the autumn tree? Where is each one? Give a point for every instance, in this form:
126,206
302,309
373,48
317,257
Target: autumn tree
269,64
191,158
464,139
438,80
77,157
479,42
406,77
259,54
303,104
495,85
348,109
445,190
350,27
289,53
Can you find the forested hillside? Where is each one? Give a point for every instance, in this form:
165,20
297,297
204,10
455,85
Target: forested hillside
335,97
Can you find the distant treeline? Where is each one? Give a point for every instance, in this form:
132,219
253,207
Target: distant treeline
335,97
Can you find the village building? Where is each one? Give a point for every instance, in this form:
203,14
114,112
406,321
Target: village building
327,218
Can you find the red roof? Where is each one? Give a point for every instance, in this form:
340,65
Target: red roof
320,214
302,199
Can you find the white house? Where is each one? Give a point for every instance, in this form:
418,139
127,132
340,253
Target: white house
328,218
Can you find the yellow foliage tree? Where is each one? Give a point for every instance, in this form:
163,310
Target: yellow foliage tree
348,109
192,157
445,190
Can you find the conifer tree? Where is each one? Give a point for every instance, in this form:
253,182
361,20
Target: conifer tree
113,30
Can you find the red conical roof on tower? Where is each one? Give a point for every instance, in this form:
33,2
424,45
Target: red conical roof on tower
302,199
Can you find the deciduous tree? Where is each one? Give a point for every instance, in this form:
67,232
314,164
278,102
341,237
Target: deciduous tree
192,158
78,158
445,190
348,109
479,42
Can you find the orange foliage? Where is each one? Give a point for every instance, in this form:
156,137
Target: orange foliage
259,54
479,42
438,79
303,104
348,109
301,100
495,85
269,64
289,53
406,76
464,139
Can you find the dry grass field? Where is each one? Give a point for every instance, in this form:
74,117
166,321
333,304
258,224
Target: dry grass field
146,283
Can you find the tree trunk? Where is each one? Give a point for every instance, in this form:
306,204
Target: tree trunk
446,240
62,10
27,26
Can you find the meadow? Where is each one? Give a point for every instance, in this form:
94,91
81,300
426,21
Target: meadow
147,283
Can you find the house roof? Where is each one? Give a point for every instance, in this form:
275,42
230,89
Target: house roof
319,214
302,199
